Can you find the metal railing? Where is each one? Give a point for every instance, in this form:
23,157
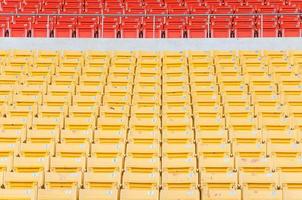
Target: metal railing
154,16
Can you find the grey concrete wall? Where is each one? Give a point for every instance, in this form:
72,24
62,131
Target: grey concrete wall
152,44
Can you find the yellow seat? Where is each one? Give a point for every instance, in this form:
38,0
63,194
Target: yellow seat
54,180
37,150
291,183
133,194
281,67
174,194
109,131
13,130
141,173
102,180
26,194
95,194
7,153
23,180
260,185
60,194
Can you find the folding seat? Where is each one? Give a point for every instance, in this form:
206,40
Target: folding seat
173,194
217,182
80,124
197,26
289,91
2,30
244,26
262,86
17,194
256,179
234,90
95,91
66,165
102,180
60,193
153,27
72,55
31,164
213,153
254,67
109,131
22,112
144,130
38,149
210,112
18,30
35,91
52,112
135,194
130,27
51,7
64,80
7,153
210,131
283,145
237,104
280,68
270,27
294,57
23,180
274,54
106,150
85,101
246,138
63,31
69,68
47,54
178,163
54,180
290,26
54,101
13,130
177,130
61,91
85,31
221,29
290,182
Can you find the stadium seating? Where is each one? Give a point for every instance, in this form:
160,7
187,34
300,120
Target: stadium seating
22,24
134,125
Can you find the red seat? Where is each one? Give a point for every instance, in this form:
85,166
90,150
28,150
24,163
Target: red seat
63,30
2,30
194,31
85,31
174,31
129,31
87,20
108,31
40,30
218,31
18,30
290,26
270,29
245,31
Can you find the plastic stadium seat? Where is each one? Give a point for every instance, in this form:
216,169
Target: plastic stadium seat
289,182
18,30
139,194
64,194
183,194
94,194
85,31
63,30
17,194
